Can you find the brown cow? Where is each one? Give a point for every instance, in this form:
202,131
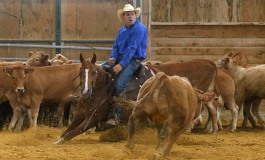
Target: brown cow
170,103
249,84
201,74
224,86
6,92
38,59
55,83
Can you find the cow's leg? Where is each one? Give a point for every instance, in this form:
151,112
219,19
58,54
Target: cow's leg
212,110
255,111
17,111
234,111
163,135
132,124
219,122
61,114
247,115
35,108
172,139
208,127
20,120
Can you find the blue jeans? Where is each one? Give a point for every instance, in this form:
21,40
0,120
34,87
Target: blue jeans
123,79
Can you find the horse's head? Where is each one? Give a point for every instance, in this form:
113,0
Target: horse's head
88,74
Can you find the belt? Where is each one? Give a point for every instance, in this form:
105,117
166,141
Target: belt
137,60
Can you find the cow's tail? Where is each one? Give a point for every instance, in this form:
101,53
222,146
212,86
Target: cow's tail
157,83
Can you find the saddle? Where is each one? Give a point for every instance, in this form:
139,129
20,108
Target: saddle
139,77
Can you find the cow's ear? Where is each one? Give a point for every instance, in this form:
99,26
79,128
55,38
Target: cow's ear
28,70
70,62
206,97
8,71
227,60
59,56
46,57
30,53
81,58
94,59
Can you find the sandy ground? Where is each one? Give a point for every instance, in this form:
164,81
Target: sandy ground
39,144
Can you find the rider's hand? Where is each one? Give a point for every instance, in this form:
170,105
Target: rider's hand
117,68
111,61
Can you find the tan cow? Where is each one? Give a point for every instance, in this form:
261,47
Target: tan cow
249,84
170,103
55,83
60,59
253,103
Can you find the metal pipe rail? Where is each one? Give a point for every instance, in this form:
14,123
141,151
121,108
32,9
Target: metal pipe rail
53,46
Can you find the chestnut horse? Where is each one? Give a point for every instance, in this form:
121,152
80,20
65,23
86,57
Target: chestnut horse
97,86
95,102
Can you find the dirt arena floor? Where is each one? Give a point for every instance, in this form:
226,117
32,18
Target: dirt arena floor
39,144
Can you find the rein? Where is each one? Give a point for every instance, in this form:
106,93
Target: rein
79,83
105,98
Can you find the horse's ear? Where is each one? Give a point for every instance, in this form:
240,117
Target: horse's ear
94,59
81,58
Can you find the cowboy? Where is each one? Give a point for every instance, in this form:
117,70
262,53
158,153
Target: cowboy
128,50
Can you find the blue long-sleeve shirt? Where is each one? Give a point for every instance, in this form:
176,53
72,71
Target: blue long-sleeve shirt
131,42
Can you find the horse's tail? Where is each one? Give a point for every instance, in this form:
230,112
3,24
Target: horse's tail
157,84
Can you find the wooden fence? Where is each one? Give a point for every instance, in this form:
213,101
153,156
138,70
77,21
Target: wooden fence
178,29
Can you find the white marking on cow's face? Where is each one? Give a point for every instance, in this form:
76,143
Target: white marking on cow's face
20,90
86,82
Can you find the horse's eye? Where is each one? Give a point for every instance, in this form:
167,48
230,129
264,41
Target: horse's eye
13,77
94,73
37,60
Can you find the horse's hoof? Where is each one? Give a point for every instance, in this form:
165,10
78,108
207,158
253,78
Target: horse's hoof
130,146
157,156
59,141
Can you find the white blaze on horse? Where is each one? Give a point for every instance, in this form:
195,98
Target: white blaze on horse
171,103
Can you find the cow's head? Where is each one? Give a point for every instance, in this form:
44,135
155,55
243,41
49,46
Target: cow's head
88,74
60,59
38,59
18,77
235,57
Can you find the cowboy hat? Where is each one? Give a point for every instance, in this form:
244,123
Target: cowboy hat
127,8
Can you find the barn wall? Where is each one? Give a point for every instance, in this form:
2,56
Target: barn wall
178,29
81,20
185,30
